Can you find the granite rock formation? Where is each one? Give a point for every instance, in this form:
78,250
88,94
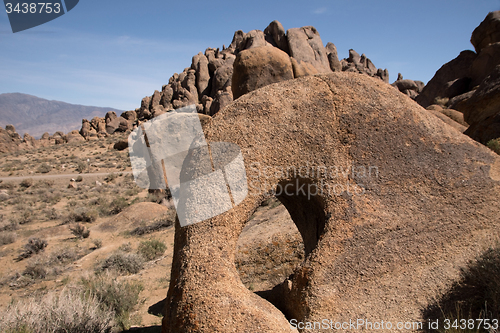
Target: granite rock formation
382,239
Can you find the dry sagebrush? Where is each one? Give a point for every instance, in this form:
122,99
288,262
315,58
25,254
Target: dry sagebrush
66,311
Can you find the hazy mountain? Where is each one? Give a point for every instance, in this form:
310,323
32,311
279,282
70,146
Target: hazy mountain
35,116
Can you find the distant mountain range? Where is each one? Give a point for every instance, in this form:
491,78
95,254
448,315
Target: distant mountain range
35,116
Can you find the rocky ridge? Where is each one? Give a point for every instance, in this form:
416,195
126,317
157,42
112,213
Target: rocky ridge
470,83
217,77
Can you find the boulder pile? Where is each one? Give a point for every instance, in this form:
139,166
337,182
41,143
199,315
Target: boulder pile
252,60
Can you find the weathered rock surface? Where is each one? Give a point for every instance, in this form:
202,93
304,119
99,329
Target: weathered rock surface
488,32
258,67
306,46
442,84
74,136
382,241
9,139
482,109
333,58
205,83
484,64
275,35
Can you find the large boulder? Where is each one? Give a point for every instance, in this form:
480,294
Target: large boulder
485,63
306,46
200,65
482,109
275,34
8,141
378,195
488,32
258,67
442,83
333,58
74,136
86,127
253,38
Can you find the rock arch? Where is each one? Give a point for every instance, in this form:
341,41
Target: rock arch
380,252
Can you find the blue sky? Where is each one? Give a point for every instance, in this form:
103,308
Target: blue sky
113,53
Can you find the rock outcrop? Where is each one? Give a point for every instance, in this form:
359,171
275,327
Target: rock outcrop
382,238
251,61
451,80
470,82
9,139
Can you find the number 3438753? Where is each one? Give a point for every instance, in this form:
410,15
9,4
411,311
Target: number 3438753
34,8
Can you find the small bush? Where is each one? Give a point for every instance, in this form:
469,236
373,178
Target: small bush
34,246
494,145
44,168
125,247
111,177
79,179
45,183
25,183
120,297
477,293
442,101
79,231
97,243
82,214
11,226
157,225
151,249
68,311
7,238
51,214
81,166
117,205
126,263
36,270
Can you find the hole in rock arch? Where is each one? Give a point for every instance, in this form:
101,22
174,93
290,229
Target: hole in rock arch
277,239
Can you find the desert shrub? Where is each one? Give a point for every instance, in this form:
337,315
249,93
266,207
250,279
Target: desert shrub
82,214
34,246
119,296
494,145
44,168
79,231
156,225
67,311
442,101
125,247
151,249
81,166
122,262
476,295
7,238
51,214
46,265
111,177
97,243
51,197
25,183
117,205
10,226
6,186
79,179
45,183
36,270
25,217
